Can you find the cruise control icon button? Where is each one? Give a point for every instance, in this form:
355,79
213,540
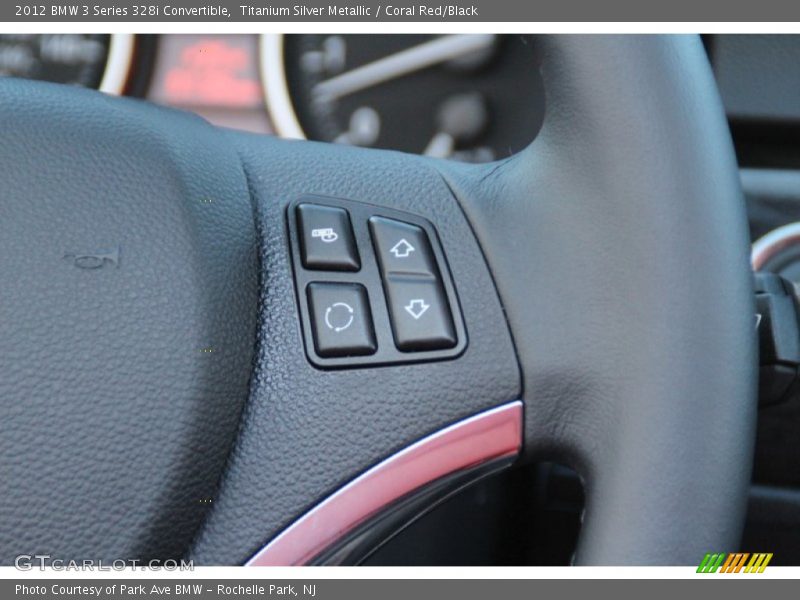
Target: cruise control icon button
327,235
326,238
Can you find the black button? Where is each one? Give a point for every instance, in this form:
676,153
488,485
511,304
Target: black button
401,247
326,238
420,315
340,319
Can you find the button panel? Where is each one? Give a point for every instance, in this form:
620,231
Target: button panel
379,294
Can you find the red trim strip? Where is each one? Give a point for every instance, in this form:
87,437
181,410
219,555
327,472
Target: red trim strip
490,435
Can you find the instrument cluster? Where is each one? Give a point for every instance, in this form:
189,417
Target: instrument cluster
467,97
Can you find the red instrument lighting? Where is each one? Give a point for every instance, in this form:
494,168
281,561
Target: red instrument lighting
213,73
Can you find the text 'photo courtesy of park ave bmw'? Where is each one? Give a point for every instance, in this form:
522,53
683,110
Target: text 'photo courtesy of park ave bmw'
399,299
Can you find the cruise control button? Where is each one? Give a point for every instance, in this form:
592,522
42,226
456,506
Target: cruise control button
340,319
420,315
402,247
326,238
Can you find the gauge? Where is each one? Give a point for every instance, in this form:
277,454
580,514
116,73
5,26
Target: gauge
101,62
468,97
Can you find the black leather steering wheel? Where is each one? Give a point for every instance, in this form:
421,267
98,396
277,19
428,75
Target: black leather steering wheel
156,379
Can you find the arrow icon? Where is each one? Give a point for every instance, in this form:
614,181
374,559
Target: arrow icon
402,249
417,307
334,314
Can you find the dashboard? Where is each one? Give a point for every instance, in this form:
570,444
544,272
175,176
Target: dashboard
467,97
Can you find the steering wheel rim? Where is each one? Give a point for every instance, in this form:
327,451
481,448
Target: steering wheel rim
602,275
657,313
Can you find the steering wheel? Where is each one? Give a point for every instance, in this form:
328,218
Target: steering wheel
170,389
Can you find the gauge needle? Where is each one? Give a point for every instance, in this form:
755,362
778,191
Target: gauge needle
441,146
460,118
402,63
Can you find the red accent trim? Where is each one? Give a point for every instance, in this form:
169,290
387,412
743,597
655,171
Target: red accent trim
490,435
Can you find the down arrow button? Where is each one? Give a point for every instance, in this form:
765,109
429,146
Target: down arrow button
419,313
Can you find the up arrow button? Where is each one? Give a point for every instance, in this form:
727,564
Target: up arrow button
402,248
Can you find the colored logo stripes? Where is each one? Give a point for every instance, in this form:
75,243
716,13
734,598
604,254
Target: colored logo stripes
735,562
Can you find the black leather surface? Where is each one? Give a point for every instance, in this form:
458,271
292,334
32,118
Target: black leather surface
306,431
619,245
114,423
